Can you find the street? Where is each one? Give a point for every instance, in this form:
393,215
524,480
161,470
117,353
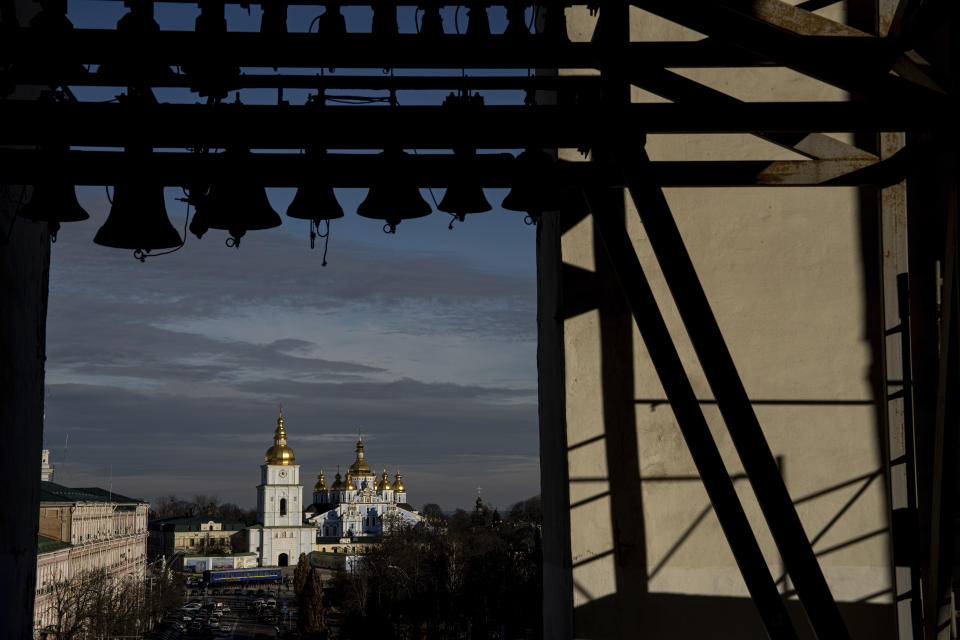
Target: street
244,623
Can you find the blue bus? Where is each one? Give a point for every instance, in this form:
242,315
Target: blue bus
225,576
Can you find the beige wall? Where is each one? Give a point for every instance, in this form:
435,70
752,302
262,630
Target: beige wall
784,272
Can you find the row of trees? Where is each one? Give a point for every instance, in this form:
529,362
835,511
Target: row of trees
201,505
473,575
98,604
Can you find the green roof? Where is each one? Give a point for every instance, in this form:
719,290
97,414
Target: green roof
53,492
48,545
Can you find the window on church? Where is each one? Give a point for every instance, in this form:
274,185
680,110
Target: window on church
283,506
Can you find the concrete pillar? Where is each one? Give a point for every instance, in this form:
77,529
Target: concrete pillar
24,272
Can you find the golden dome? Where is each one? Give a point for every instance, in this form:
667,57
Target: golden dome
350,486
360,467
321,483
337,483
384,483
279,453
398,484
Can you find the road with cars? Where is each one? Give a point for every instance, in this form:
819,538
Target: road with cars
257,613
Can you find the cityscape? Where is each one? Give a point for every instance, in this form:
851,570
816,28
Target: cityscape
295,566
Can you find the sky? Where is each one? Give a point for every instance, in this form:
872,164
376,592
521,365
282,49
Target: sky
166,377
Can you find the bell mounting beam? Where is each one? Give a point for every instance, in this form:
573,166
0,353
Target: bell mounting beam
489,127
424,170
366,51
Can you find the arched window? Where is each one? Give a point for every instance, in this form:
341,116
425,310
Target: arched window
283,506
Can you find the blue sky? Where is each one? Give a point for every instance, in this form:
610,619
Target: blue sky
167,375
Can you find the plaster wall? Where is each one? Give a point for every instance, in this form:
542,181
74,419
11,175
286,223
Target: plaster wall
787,276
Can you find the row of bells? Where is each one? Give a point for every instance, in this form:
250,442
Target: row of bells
138,217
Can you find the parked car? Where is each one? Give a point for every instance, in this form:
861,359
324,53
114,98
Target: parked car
226,627
225,609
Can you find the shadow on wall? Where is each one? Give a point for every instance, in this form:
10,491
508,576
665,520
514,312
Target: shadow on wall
668,615
632,610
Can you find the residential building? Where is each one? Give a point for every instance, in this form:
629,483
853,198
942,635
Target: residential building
85,529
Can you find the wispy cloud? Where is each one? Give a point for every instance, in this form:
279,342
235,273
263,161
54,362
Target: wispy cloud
168,374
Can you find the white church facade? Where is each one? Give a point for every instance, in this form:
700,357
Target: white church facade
360,505
359,508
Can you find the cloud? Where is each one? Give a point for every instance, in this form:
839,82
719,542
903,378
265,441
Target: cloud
136,436
167,374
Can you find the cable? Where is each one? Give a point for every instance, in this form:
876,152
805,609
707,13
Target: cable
143,255
109,197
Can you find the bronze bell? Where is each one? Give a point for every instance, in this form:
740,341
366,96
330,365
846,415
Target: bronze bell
393,202
460,198
315,201
478,22
274,20
385,21
138,220
431,26
331,23
236,205
463,199
531,191
54,202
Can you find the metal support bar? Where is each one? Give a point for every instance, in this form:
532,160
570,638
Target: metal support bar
366,51
25,166
734,404
434,127
945,443
909,454
691,421
724,23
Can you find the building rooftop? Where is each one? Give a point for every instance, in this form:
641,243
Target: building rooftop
53,492
49,545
